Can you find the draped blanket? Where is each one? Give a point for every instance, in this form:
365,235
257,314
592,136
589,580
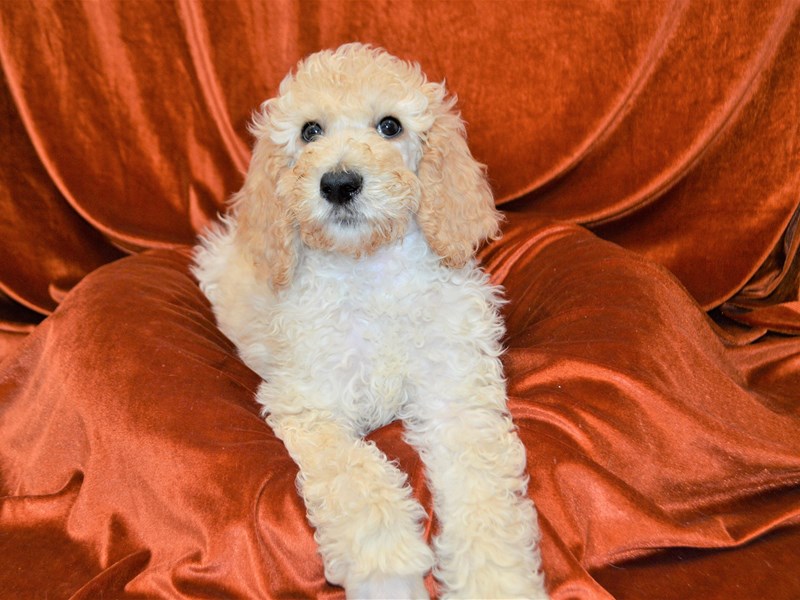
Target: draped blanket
647,157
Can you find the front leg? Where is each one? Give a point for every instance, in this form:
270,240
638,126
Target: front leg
476,466
368,525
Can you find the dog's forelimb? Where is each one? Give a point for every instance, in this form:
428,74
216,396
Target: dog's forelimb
476,467
368,525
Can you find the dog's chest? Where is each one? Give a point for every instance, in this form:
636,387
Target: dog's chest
361,330
377,308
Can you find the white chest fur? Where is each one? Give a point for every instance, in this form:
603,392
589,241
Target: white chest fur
356,337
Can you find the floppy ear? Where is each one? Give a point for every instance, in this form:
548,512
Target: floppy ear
265,231
457,211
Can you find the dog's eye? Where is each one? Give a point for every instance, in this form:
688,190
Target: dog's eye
389,127
311,131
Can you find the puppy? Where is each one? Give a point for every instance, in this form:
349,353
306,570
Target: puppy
345,275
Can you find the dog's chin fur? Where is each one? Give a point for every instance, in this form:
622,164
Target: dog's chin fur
352,235
356,314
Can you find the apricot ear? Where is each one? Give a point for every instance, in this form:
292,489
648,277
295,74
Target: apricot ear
457,211
265,229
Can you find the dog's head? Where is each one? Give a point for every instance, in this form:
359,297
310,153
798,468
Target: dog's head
356,144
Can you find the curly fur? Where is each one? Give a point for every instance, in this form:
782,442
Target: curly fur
361,314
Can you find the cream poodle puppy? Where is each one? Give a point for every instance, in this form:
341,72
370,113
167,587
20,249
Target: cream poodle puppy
345,275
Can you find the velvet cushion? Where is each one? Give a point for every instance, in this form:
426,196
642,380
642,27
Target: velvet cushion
135,463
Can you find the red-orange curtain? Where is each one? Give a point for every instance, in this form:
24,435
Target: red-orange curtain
668,127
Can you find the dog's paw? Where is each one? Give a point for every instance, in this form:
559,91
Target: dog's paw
388,587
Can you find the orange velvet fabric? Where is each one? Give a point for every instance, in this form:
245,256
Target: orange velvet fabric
648,157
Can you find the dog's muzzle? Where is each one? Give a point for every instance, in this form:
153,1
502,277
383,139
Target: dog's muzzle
340,187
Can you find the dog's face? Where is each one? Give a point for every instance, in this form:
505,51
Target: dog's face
356,144
351,126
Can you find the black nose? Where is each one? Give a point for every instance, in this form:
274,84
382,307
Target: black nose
340,187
